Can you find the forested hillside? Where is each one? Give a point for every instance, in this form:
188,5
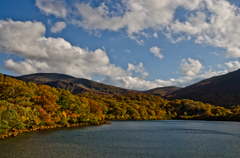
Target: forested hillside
79,85
74,85
24,105
161,91
221,90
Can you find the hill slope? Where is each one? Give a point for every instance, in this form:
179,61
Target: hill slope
78,85
221,90
161,91
74,85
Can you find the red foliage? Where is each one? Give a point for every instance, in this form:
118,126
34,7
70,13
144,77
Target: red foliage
73,116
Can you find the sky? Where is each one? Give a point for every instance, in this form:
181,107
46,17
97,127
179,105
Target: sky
133,44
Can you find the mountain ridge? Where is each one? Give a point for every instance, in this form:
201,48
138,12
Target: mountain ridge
78,85
73,84
161,91
222,90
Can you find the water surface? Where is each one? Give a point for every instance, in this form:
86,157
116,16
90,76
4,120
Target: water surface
130,139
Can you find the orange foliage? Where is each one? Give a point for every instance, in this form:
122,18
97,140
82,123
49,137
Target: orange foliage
46,98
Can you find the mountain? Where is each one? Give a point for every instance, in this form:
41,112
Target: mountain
162,91
78,85
221,90
74,85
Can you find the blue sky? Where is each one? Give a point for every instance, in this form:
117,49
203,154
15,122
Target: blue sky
135,44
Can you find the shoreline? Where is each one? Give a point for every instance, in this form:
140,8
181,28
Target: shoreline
15,132
216,120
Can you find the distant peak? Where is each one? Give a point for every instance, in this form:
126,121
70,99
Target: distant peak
47,74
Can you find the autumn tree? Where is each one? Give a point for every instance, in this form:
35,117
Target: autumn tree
46,98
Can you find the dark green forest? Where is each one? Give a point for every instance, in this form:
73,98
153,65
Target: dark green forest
24,105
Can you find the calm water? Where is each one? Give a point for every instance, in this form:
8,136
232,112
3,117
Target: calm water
129,139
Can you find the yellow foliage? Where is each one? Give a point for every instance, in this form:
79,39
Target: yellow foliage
64,114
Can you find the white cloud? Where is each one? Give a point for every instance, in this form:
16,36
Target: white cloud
137,69
41,54
215,53
55,7
155,35
145,35
139,42
219,66
233,65
138,83
22,38
190,67
49,22
29,66
128,51
156,51
192,76
174,40
58,27
131,83
211,22
138,16
216,24
143,76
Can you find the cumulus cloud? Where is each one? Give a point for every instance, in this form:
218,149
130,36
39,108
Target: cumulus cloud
131,83
211,22
233,65
219,66
155,35
138,83
156,51
143,76
138,16
138,68
41,54
58,27
191,76
55,7
191,70
22,38
216,24
190,67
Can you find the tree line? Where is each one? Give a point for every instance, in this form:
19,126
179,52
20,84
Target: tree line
27,104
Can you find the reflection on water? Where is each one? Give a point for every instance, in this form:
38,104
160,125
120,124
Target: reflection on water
172,138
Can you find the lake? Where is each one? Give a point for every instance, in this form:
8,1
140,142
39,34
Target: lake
130,139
